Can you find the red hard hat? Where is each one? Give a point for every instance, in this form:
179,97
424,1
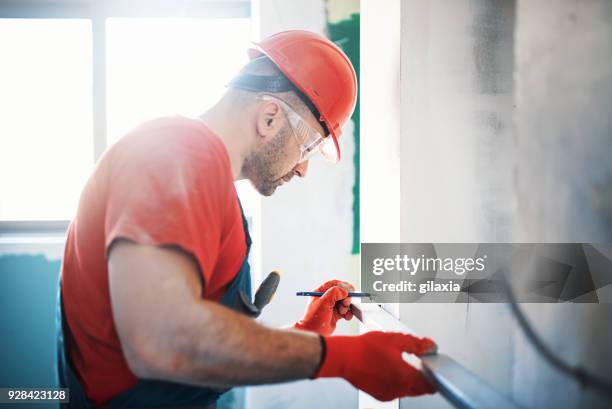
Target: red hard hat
319,69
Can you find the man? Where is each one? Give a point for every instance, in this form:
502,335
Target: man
155,285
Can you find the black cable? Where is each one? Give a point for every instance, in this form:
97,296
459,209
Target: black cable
580,374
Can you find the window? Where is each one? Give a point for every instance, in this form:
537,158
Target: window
54,120
46,136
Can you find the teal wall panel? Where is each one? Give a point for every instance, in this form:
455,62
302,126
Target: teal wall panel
28,289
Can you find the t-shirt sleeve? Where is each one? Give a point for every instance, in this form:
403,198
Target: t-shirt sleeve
165,190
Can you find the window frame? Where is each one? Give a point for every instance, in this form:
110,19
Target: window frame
97,11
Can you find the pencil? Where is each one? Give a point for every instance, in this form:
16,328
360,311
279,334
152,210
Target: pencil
320,293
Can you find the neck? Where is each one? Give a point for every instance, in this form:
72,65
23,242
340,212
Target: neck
221,119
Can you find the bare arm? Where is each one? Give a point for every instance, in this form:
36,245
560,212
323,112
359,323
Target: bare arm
168,332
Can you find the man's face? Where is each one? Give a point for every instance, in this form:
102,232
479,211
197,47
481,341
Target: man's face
277,160
274,163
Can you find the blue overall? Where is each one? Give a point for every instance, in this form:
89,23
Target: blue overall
157,394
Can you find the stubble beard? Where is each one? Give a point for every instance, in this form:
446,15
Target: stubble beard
260,167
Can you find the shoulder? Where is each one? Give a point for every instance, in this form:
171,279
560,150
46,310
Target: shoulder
176,135
170,146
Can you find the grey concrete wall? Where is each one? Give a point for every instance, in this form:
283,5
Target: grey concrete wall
563,132
456,120
563,120
456,163
506,135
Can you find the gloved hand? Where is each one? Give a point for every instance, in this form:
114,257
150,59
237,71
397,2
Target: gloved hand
323,312
373,363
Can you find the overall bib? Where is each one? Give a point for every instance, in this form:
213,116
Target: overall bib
158,394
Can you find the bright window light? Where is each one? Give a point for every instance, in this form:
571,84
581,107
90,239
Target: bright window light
46,132
155,67
167,66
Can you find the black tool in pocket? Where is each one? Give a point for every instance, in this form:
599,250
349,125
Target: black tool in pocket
263,295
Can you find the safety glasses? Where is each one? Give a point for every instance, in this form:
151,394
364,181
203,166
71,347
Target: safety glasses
309,140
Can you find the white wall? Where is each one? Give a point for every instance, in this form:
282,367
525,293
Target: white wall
380,125
306,230
380,134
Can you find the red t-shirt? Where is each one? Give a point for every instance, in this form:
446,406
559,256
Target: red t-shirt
168,182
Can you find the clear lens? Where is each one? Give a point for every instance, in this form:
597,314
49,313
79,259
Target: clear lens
328,149
310,150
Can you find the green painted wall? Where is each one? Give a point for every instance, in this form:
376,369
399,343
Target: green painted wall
345,34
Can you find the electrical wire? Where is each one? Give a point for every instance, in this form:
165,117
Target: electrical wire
581,375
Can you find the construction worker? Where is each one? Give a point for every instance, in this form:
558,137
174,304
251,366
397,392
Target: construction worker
155,294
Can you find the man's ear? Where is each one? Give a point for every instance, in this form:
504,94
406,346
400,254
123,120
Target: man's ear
269,119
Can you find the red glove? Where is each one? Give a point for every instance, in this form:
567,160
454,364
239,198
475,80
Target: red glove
373,363
323,312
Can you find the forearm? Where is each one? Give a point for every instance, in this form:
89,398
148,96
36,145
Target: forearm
168,332
208,344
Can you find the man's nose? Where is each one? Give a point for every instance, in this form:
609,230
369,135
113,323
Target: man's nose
301,169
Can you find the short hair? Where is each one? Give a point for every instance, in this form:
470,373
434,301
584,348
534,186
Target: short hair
261,75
